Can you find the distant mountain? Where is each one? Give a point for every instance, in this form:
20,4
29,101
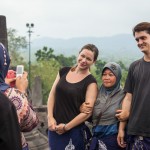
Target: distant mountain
119,47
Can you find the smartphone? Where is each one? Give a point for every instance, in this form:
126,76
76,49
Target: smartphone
19,70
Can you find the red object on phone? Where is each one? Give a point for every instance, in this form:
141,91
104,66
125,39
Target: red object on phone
11,74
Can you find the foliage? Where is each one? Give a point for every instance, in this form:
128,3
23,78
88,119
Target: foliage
98,70
66,61
44,54
47,54
122,65
15,43
47,70
99,66
124,72
124,76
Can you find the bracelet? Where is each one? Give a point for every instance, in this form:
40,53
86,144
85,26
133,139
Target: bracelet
64,127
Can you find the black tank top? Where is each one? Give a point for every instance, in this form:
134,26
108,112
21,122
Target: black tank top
69,96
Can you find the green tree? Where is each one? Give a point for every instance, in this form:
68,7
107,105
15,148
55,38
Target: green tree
66,61
98,70
124,72
15,44
122,65
47,70
44,54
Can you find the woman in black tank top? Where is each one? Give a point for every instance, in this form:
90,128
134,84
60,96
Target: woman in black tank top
71,88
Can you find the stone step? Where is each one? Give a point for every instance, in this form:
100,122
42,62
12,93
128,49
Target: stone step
36,140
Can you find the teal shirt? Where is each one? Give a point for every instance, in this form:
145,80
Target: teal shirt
105,130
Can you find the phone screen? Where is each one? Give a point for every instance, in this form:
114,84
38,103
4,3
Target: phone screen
19,70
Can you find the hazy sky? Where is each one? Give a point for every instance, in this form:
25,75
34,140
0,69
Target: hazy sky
75,18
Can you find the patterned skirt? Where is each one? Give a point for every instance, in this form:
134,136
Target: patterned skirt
106,143
138,143
73,139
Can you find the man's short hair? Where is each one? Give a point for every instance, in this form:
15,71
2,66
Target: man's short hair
143,26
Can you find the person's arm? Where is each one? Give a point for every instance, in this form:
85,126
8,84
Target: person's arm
22,82
9,80
121,134
50,105
91,95
123,114
86,108
27,117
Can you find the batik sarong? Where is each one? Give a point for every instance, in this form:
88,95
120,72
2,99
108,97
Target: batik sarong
72,139
138,143
105,143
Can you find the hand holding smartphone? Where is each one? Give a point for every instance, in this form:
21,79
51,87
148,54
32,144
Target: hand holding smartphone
11,74
22,82
19,70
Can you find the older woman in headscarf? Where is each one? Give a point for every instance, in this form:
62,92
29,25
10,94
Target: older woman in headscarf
110,96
